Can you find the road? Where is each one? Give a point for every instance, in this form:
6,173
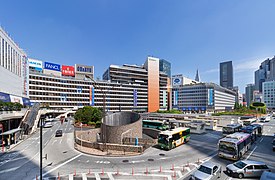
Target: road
23,161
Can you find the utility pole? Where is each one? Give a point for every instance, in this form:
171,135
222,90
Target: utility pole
41,129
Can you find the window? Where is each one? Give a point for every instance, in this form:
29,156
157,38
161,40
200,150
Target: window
249,167
215,169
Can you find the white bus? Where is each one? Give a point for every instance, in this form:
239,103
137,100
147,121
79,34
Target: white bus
231,128
247,120
234,146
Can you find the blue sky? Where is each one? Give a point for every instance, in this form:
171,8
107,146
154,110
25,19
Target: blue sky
190,34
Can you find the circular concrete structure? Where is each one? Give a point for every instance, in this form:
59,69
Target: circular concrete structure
121,125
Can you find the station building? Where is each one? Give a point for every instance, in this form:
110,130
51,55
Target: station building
202,97
13,71
123,88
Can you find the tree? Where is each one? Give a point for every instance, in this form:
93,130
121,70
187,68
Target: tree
88,114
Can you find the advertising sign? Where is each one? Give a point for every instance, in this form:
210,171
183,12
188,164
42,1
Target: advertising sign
67,70
84,69
210,97
16,99
175,98
36,64
92,92
26,102
177,81
135,97
52,66
5,97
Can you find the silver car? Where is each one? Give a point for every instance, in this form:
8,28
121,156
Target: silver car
246,168
207,171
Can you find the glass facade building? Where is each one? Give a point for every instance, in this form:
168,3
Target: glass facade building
269,94
226,74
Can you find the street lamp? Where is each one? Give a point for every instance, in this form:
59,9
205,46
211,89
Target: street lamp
103,125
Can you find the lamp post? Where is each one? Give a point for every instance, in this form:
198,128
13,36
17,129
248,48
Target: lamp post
103,125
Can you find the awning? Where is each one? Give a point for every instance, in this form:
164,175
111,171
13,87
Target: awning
11,131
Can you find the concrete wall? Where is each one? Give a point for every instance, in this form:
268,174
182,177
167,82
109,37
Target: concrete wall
121,125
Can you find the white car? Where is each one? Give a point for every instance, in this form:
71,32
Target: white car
48,124
207,171
265,119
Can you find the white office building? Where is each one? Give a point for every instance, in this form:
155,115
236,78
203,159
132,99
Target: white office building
203,97
269,94
13,70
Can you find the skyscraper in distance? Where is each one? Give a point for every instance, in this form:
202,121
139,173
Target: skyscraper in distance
197,78
226,74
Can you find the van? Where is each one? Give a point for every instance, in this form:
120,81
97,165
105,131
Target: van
246,168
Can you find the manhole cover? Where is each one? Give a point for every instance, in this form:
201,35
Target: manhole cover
162,154
150,159
125,161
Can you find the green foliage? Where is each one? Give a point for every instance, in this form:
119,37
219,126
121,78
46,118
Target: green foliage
10,106
258,107
240,111
92,123
88,114
98,124
173,111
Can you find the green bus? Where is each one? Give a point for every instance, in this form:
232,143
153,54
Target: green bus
160,125
170,139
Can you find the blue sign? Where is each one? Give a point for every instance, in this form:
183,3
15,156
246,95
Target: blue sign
5,97
26,102
175,98
52,66
135,97
210,97
203,108
183,108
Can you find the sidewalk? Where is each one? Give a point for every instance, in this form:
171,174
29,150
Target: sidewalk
6,150
98,152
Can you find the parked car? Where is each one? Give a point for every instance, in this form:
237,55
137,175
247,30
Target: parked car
265,119
246,168
273,144
207,171
58,133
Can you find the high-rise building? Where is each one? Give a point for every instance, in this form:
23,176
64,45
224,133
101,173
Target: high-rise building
203,97
249,89
266,72
13,71
197,78
269,94
149,77
226,74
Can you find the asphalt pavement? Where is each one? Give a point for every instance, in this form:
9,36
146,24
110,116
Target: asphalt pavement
22,162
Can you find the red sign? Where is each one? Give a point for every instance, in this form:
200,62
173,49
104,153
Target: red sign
67,70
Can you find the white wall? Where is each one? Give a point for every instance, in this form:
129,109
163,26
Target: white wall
10,83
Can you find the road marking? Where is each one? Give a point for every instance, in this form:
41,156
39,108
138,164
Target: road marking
179,174
261,140
84,176
66,162
87,161
54,141
71,176
9,170
60,141
137,161
251,152
102,162
97,176
110,176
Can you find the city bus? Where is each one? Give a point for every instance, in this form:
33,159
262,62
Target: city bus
160,125
170,139
254,130
247,120
234,146
231,128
